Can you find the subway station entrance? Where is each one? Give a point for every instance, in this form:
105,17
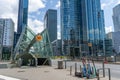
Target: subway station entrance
33,49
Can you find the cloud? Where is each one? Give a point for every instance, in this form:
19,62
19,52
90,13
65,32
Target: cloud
58,4
35,5
103,5
35,25
118,2
9,9
107,4
109,29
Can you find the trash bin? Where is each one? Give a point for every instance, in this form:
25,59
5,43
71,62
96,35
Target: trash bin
60,64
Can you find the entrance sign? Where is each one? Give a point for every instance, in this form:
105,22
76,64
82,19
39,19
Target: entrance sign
38,37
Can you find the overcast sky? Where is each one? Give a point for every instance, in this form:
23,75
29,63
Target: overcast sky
37,9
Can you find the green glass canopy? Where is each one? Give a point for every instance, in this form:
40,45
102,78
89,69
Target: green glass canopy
27,44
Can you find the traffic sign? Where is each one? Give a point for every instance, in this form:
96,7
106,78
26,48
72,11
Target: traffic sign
38,37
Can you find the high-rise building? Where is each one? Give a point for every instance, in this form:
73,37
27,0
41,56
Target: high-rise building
82,25
116,18
7,37
114,36
1,36
50,22
22,15
22,19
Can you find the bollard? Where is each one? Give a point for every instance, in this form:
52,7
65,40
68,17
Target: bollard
103,69
98,78
109,73
80,68
60,64
65,64
36,62
70,70
75,67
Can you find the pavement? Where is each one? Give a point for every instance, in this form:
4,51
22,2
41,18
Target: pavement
41,73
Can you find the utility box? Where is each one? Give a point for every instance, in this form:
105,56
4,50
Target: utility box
60,64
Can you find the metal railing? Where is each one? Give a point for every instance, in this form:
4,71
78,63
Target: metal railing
98,72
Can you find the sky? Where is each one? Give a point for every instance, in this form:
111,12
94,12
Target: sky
37,9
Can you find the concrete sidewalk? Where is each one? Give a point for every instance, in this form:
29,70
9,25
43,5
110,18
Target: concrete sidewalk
42,73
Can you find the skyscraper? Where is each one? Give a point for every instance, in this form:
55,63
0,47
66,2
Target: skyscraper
22,15
1,36
15,39
7,37
116,18
82,25
50,22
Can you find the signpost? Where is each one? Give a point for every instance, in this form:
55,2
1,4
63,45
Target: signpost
90,45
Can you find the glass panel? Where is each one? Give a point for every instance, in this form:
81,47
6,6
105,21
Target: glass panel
39,49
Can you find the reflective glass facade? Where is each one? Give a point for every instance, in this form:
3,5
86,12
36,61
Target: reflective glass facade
1,36
50,22
22,15
82,22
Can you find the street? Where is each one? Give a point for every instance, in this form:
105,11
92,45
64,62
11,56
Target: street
115,69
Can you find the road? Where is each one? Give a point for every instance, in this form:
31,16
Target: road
115,69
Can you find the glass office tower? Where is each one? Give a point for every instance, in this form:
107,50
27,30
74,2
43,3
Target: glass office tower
50,22
22,15
116,17
82,27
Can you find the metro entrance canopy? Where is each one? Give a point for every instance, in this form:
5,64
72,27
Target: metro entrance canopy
28,44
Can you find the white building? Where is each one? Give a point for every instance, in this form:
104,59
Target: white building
7,37
115,37
116,18
8,33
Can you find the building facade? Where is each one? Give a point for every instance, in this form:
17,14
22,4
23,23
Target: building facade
15,39
114,36
22,15
1,36
57,47
7,38
82,26
50,22
116,18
